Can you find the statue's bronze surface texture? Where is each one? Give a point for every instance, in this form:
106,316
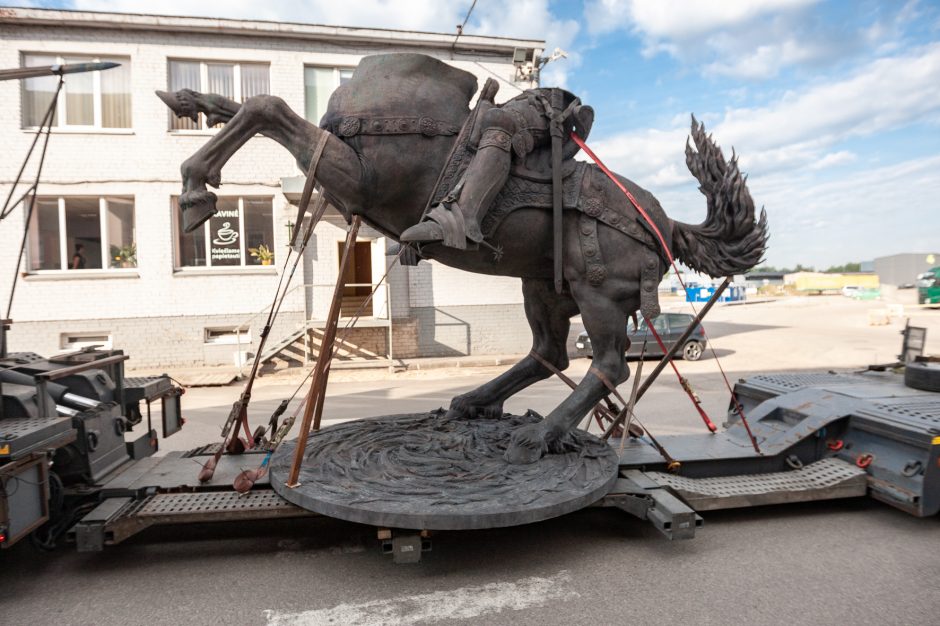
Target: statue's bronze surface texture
434,472
403,149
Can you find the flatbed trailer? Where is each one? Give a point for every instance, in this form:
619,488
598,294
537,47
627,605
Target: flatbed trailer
822,436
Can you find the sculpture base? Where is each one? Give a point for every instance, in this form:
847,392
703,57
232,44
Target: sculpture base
424,471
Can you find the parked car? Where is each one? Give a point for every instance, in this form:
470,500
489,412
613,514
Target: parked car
670,327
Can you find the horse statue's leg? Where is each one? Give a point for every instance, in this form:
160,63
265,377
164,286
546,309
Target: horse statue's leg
549,317
604,313
339,168
188,103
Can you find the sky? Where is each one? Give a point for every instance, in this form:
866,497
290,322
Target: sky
832,106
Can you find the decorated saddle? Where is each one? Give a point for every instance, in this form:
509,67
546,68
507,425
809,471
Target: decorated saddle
586,189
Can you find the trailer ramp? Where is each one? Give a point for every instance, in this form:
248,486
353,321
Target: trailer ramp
827,479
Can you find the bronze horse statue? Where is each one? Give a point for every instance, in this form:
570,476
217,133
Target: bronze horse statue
612,263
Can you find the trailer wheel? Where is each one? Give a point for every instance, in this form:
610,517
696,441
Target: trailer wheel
923,373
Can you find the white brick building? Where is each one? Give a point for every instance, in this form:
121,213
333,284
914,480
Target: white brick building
112,173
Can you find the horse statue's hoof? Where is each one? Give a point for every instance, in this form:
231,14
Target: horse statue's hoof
197,206
473,405
527,445
182,103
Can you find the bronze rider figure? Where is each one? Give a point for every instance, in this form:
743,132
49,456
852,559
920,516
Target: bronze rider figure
513,136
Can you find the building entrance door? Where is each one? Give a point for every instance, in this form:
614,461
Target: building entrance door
358,277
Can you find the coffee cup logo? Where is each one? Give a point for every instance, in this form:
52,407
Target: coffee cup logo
225,236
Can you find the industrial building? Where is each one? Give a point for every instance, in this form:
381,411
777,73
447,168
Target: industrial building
901,270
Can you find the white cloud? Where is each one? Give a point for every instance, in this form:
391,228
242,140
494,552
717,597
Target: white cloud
680,19
651,157
800,128
787,147
866,214
764,60
748,39
887,93
858,217
834,158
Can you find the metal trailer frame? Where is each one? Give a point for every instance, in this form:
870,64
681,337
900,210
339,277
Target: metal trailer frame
816,432
29,443
164,491
822,435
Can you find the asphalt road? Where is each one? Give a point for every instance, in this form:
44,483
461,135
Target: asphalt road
852,561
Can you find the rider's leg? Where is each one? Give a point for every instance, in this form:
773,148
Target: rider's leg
485,176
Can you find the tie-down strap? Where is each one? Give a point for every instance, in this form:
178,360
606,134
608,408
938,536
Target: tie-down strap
352,125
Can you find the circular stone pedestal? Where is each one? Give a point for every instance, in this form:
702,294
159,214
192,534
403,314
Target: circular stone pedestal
424,471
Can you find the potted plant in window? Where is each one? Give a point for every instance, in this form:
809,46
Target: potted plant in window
124,256
263,254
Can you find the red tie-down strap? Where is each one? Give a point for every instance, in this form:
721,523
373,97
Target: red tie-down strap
683,381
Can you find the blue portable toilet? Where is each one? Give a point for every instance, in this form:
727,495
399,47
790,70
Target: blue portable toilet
702,293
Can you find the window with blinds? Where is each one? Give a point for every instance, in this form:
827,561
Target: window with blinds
90,100
237,81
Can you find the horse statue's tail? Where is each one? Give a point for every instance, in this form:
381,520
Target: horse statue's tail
729,241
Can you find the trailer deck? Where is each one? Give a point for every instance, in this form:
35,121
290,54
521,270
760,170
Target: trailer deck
822,436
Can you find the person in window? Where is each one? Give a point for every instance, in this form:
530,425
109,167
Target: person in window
78,259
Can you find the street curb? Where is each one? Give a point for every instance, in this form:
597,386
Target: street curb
429,364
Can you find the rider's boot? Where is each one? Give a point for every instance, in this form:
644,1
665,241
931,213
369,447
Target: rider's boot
485,176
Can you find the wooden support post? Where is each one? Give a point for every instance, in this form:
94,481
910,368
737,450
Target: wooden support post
317,391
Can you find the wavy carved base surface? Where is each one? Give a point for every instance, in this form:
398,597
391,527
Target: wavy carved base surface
424,471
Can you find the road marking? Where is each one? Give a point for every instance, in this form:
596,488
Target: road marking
461,603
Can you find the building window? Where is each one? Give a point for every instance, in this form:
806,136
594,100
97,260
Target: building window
227,335
91,100
319,84
240,234
237,81
82,233
78,341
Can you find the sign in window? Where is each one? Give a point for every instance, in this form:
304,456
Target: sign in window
241,233
225,234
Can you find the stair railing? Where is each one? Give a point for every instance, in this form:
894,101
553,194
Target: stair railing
384,288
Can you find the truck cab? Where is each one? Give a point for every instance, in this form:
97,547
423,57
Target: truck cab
928,287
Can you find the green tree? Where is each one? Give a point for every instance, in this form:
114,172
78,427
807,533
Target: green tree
769,269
